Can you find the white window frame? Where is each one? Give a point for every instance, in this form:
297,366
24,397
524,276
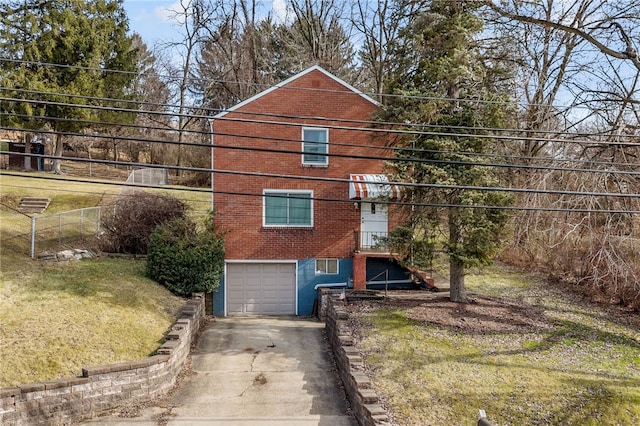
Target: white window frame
325,154
266,192
326,261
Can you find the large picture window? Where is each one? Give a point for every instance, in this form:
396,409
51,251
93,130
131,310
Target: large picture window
288,208
315,146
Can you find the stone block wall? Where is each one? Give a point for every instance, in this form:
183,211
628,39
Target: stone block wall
364,400
324,294
104,388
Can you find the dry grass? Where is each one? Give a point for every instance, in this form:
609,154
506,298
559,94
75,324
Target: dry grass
562,362
59,318
56,318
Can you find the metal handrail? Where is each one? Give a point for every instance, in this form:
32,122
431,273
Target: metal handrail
371,240
386,280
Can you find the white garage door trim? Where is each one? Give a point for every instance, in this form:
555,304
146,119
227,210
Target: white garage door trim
261,305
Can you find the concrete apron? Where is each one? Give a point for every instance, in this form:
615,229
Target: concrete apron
254,371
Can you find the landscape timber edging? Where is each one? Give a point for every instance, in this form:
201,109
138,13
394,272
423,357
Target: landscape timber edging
363,398
104,388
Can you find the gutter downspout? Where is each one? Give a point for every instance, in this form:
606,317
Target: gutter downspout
212,166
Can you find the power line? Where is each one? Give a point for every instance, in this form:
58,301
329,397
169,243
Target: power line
342,200
465,163
333,127
424,186
209,115
264,86
316,119
417,160
414,160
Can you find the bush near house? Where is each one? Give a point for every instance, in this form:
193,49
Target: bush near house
185,258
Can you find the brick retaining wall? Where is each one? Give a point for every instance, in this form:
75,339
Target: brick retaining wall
364,400
103,388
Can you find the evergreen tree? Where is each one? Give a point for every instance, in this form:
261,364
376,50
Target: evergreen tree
59,57
444,83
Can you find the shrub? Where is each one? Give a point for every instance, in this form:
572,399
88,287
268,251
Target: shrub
127,225
184,258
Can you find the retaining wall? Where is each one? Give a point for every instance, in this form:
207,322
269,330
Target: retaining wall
104,388
364,400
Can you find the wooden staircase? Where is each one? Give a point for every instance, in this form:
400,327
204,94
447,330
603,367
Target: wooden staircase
418,275
423,276
33,205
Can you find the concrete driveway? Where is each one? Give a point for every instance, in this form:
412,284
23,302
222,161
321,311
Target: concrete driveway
253,371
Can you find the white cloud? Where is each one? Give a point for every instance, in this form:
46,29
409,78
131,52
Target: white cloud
279,9
172,12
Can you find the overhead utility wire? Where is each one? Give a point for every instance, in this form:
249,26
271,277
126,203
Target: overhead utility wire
333,142
102,193
373,130
210,111
377,147
265,86
334,127
353,156
342,200
344,180
446,134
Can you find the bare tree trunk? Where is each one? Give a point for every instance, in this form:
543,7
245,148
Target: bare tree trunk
57,162
456,267
456,281
27,151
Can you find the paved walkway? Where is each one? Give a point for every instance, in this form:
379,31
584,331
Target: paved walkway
253,371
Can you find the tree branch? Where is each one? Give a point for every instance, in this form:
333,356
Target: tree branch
628,54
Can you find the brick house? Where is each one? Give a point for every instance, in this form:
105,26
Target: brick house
295,189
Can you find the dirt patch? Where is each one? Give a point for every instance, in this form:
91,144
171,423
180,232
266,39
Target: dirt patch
488,314
483,315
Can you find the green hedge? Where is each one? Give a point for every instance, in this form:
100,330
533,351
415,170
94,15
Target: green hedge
184,258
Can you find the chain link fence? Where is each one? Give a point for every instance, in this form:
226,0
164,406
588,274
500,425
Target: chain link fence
50,232
74,227
149,176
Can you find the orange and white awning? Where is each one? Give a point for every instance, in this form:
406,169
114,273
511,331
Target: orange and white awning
363,187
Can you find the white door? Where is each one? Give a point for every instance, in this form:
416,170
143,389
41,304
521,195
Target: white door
373,223
261,288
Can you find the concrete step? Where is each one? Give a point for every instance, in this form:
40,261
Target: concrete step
33,205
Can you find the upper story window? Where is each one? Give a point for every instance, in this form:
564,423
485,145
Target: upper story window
315,146
288,208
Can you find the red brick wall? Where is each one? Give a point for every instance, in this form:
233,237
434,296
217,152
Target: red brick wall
238,197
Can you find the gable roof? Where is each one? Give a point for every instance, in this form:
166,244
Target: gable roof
293,78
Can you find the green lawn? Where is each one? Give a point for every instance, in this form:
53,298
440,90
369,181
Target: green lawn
56,318
581,368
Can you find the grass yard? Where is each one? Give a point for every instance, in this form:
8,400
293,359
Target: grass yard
526,353
56,318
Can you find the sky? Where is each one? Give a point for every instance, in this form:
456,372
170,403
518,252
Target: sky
152,18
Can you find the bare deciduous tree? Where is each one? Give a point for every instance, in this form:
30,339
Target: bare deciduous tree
378,23
578,71
194,17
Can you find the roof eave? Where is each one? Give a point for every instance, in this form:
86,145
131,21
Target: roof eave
293,78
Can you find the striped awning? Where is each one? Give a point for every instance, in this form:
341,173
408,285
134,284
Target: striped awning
364,187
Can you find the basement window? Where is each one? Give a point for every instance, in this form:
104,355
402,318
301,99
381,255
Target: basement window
326,266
